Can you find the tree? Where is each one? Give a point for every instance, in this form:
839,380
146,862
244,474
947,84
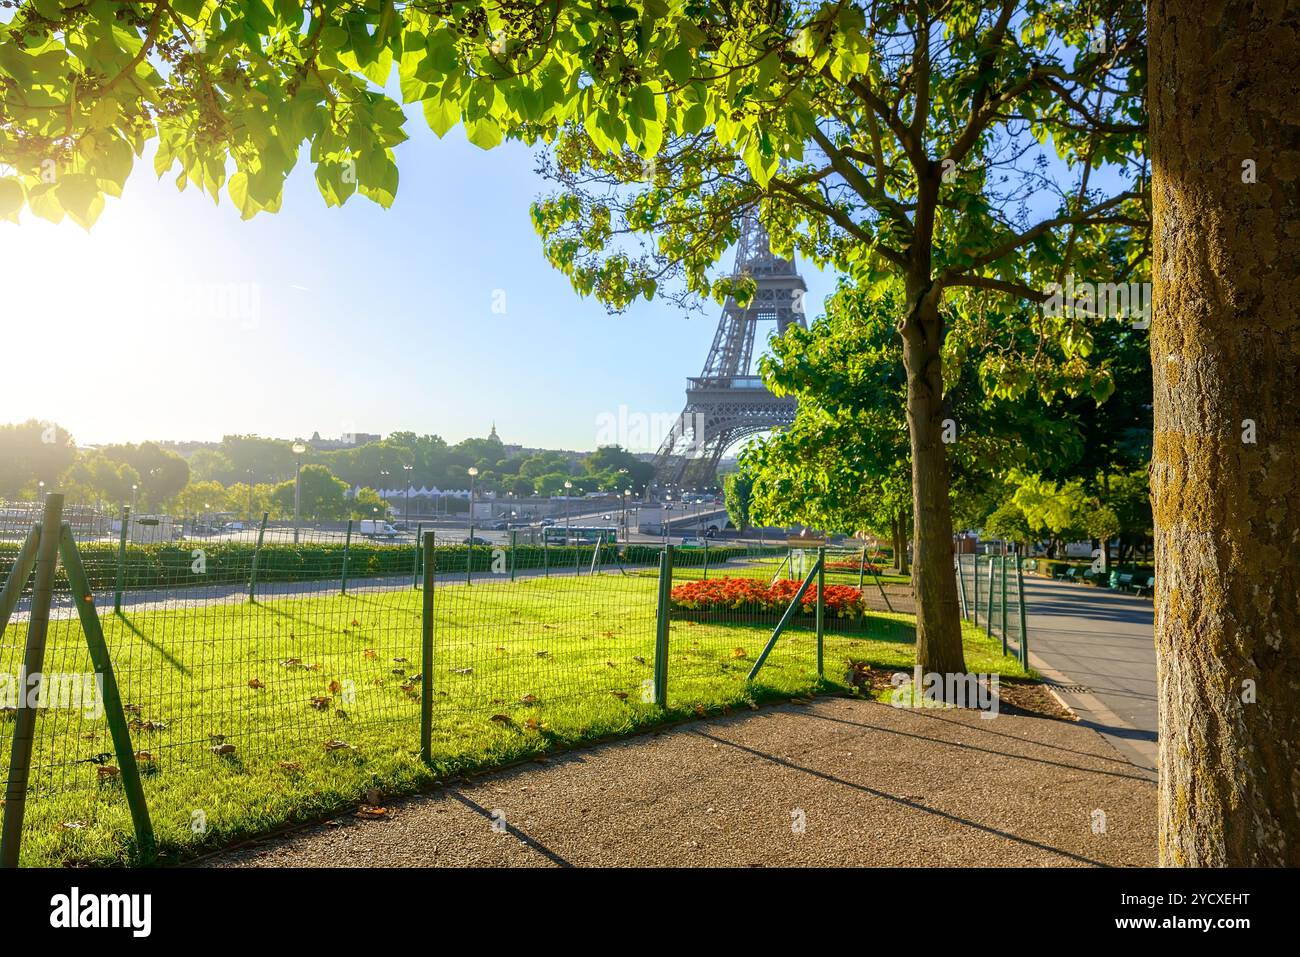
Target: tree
1009,523
1225,472
94,477
30,453
163,473
844,463
737,492
320,494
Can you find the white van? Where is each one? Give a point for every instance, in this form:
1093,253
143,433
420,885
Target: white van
375,528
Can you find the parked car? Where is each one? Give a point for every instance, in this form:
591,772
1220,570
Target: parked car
499,526
548,522
693,543
475,541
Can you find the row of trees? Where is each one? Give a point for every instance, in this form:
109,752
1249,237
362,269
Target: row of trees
1039,459
958,157
241,469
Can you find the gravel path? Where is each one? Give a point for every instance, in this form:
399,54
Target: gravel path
873,785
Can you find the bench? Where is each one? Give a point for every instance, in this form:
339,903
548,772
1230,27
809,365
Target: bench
1149,587
1120,582
1071,574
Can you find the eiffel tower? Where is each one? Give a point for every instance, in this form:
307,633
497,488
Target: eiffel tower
725,402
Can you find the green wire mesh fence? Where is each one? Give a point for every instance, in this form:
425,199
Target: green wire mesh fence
287,668
991,591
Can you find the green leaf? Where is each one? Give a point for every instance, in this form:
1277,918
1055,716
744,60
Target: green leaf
441,114
484,133
11,198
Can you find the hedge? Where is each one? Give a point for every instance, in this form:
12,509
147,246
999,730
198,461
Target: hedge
169,565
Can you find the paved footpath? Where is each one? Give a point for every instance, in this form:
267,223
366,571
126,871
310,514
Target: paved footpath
835,782
1098,647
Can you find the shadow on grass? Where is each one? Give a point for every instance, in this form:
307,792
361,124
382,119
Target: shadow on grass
166,655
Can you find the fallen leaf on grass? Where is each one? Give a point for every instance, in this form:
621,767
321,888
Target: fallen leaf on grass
355,623
256,683
144,757
334,744
699,710
528,699
291,663
107,771
402,661
620,695
289,767
462,671
501,718
223,749
370,653
335,687
74,825
638,659
532,724
369,812
737,652
320,702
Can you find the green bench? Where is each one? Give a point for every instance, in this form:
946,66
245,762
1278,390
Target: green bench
1149,587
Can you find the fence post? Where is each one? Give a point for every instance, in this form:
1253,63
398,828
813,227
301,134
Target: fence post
252,571
24,561
706,559
975,606
1024,630
426,654
961,586
862,565
661,626
1003,564
121,561
347,548
514,545
110,696
546,557
469,558
821,604
38,623
415,563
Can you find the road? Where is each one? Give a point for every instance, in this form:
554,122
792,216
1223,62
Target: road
1098,647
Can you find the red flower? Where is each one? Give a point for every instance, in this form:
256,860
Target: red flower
751,595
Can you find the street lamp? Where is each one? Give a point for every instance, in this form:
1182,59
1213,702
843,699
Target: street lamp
298,449
568,508
407,469
134,488
249,473
472,472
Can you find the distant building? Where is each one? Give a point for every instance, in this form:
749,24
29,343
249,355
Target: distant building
343,442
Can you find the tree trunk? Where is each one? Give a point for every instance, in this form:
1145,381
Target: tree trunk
1225,473
938,615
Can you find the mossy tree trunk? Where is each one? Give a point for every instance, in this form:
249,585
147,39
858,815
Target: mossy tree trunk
1225,475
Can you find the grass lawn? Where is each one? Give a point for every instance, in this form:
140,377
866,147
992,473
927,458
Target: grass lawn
315,700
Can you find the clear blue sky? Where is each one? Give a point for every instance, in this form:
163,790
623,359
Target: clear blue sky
366,319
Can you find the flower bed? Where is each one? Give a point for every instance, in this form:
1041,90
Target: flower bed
870,567
748,597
